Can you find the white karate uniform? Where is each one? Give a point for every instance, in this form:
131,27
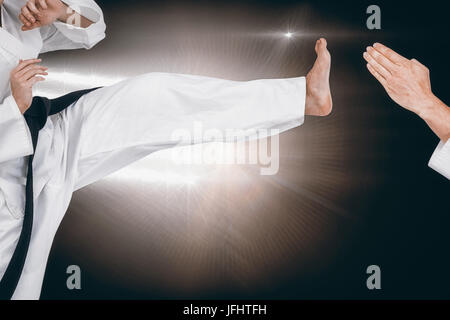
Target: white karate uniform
110,128
440,161
15,140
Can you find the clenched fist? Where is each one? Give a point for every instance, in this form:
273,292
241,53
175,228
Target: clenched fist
23,78
38,13
406,81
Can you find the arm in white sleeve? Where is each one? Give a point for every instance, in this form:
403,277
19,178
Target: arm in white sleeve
15,137
440,161
62,36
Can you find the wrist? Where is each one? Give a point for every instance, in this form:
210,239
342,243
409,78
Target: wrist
23,107
64,13
429,106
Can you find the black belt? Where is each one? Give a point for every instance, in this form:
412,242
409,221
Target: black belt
36,118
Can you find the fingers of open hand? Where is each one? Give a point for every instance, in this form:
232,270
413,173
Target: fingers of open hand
376,65
32,71
377,75
24,63
382,59
31,82
27,70
389,53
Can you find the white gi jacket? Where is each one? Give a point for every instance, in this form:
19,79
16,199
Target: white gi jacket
15,139
440,161
110,128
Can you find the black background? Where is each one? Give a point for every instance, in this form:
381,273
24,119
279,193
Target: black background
403,218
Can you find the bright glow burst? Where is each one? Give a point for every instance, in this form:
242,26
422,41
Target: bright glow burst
185,223
148,175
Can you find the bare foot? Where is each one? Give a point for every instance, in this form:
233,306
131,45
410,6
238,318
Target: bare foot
318,93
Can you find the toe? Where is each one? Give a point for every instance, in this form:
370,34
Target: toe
321,46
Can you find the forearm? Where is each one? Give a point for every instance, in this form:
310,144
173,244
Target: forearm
437,116
71,17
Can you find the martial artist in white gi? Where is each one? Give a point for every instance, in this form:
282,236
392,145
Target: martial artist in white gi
408,83
112,127
16,45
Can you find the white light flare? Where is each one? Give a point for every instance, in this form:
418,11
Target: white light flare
137,174
289,35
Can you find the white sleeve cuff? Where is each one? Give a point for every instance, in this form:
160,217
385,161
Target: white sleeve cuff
15,137
440,161
302,100
90,36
